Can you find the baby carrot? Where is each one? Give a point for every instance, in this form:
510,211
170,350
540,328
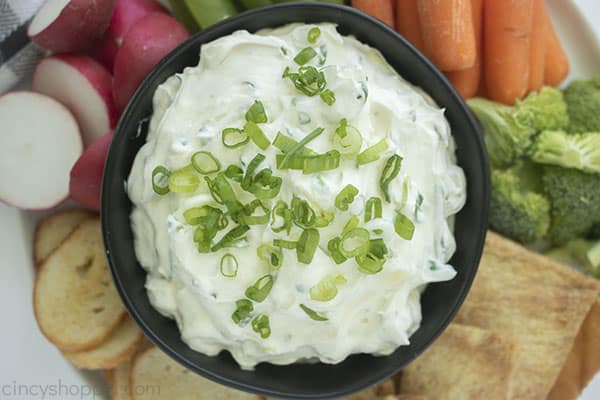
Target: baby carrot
447,27
407,22
380,9
537,50
506,37
466,81
557,65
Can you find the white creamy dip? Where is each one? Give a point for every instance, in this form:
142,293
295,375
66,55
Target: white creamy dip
371,313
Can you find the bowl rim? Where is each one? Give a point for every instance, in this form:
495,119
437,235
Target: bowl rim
124,293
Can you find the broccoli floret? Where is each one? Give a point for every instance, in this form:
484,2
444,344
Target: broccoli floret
583,104
516,209
581,253
507,136
580,151
575,199
544,110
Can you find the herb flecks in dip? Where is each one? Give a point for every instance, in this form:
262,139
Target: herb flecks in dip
294,198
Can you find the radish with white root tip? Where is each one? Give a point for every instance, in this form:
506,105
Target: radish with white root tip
86,174
39,143
84,86
70,25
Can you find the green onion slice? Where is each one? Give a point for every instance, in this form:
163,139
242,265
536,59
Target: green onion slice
205,163
307,80
281,210
345,197
223,193
160,180
307,245
271,255
257,135
313,35
206,216
184,180
302,213
354,242
233,138
328,97
313,314
348,139
334,249
369,264
324,218
372,153
232,237
242,312
390,171
351,224
324,290
256,113
321,162
305,55
285,244
373,209
234,173
265,185
250,171
286,143
260,325
229,265
261,289
298,146
250,218
403,226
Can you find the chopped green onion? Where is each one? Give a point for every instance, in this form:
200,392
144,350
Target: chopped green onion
313,35
390,171
372,153
160,185
378,248
328,97
321,162
348,139
324,218
205,163
260,325
242,312
234,173
184,180
229,265
307,245
303,214
313,314
271,255
307,80
223,193
373,209
377,231
369,264
298,146
286,143
261,289
354,242
305,55
256,113
206,216
285,244
257,135
282,210
324,290
250,171
232,237
346,197
334,249
351,224
265,185
249,218
403,226
233,137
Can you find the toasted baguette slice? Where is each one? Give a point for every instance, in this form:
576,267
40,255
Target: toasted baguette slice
378,391
54,229
109,376
75,303
155,376
119,389
119,346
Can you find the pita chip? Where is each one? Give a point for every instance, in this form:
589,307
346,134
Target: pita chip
464,363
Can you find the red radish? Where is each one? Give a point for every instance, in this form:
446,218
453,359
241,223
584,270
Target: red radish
125,14
70,25
84,86
146,43
86,174
39,143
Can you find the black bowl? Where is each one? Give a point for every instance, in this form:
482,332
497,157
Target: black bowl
440,301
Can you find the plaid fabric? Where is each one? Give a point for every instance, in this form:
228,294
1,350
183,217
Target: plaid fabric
17,55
